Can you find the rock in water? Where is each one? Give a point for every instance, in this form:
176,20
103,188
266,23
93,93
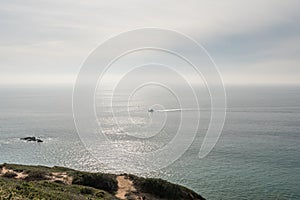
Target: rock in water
31,139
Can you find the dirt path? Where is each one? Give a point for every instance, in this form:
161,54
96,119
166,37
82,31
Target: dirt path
55,176
20,175
62,177
125,186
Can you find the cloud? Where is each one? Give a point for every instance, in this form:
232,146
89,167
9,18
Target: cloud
45,38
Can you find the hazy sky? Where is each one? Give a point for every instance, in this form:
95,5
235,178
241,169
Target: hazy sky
252,42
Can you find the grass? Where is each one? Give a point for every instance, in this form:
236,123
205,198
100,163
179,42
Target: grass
85,185
16,189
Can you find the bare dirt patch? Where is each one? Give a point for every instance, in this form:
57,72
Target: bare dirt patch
125,188
53,177
61,177
20,175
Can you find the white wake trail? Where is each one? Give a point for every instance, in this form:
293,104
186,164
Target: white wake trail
177,110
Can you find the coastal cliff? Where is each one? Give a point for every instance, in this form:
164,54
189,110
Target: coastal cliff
40,182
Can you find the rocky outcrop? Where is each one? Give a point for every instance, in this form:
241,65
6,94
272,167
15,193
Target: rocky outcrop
30,139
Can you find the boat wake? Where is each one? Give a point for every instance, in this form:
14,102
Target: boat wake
177,110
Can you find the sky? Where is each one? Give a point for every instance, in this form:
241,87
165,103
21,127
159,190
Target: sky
252,42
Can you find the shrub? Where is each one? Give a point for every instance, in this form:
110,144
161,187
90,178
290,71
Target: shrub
59,181
160,188
100,194
100,181
36,175
163,189
10,175
86,190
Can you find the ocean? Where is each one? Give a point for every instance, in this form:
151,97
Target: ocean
256,157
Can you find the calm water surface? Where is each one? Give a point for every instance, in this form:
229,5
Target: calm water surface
257,156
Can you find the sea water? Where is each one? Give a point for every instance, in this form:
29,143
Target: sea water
256,156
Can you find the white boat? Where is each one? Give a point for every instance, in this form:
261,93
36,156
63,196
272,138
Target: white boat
150,110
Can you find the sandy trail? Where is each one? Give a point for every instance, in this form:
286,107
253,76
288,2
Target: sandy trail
61,176
20,175
125,186
55,176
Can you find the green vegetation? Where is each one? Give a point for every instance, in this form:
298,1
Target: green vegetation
107,182
18,189
37,185
163,189
39,182
37,175
25,168
9,175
